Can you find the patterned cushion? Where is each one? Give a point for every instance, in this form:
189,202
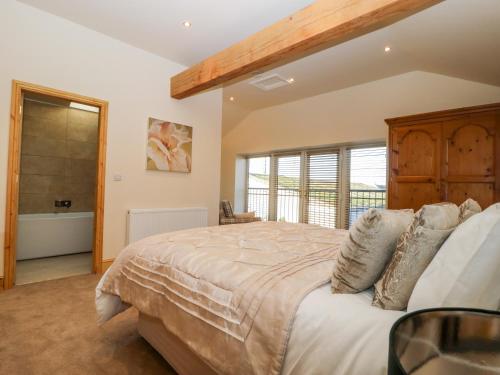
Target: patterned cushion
227,208
416,247
369,247
467,209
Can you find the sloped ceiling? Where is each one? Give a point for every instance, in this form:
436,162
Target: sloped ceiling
458,38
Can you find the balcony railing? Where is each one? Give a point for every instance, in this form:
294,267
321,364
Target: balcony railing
321,204
258,201
361,200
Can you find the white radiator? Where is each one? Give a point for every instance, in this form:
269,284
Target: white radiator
142,223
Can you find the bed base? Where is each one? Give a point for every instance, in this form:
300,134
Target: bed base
175,352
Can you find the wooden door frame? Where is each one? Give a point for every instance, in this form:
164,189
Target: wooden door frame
13,170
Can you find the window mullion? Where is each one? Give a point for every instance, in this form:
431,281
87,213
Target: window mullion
273,188
344,184
303,195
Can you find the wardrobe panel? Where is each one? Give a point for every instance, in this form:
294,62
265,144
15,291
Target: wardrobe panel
414,166
470,146
449,155
414,195
417,151
483,193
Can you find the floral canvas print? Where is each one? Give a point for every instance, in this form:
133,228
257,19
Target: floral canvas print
169,146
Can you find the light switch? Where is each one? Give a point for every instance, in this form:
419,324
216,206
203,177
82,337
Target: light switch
117,177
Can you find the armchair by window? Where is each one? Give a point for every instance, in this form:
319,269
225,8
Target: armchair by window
227,216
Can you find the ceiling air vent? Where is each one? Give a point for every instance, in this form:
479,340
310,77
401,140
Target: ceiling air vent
269,82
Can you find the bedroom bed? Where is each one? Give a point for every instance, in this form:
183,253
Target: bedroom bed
331,334
248,299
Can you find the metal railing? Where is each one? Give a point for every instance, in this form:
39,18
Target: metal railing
362,200
321,204
258,201
322,207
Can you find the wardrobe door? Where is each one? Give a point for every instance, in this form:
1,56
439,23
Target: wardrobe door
469,158
415,165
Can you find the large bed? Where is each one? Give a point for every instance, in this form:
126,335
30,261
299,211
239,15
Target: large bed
248,299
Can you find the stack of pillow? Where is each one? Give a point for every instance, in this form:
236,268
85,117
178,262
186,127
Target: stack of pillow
440,256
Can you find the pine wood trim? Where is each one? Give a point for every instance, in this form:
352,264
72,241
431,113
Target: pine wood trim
12,187
423,179
11,212
440,115
497,158
105,264
470,179
320,25
1,284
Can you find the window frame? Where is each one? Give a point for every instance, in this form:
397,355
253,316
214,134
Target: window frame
342,209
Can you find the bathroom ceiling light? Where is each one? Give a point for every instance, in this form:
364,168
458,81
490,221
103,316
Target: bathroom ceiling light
231,98
387,49
84,107
291,80
186,24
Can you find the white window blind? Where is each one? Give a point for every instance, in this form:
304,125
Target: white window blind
322,188
367,180
288,185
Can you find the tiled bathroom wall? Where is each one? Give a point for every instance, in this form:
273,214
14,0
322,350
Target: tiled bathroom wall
58,158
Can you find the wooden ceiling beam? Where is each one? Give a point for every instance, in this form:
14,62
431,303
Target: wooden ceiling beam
320,25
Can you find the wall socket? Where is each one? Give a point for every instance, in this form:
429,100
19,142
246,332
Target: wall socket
65,203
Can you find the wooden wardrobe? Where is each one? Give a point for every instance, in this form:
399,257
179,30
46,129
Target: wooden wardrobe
445,156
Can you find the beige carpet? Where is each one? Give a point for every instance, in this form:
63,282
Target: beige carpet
50,328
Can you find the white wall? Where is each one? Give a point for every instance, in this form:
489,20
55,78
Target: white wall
43,49
350,115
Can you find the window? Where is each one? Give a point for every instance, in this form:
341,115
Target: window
258,186
322,188
330,187
367,180
287,185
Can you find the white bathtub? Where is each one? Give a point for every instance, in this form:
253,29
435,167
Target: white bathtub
45,235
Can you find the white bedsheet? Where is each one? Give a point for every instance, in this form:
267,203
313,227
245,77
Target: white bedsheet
339,334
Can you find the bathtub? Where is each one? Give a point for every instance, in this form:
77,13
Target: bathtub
46,235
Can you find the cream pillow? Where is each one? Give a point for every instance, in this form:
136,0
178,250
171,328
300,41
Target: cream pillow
365,253
494,208
467,209
416,247
465,272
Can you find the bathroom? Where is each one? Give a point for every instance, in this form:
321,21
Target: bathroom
57,189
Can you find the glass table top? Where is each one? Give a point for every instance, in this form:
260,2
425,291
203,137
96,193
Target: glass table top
446,341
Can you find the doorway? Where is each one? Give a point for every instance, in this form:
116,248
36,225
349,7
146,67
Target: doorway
55,194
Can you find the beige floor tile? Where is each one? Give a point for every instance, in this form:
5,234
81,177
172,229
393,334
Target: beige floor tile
36,270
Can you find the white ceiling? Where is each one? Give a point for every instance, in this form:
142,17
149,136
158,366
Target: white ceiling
459,38
156,25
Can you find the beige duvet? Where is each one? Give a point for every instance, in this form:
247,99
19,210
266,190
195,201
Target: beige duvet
229,292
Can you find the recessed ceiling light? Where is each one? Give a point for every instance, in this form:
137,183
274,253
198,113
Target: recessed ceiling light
291,80
186,24
231,98
387,49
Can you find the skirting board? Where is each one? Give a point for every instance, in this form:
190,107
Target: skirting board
106,264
